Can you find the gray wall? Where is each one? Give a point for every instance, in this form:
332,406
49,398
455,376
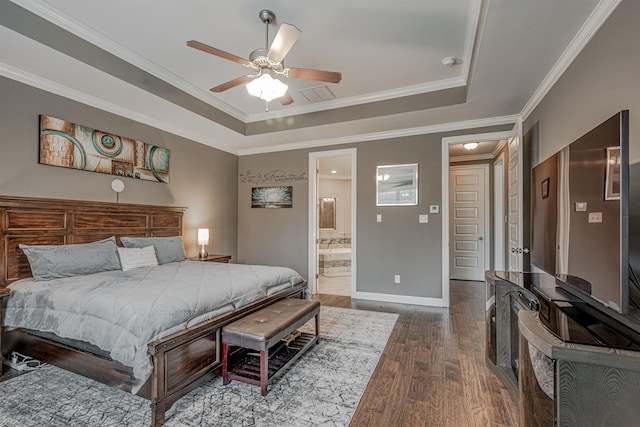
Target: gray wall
203,179
603,79
398,245
274,236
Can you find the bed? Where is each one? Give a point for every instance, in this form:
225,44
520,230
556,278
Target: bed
184,355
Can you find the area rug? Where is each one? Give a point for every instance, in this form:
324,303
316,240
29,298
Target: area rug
322,388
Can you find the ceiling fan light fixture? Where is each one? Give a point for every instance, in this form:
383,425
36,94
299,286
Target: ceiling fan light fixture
266,88
470,145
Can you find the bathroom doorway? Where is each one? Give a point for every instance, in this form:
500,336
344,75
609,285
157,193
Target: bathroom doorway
332,191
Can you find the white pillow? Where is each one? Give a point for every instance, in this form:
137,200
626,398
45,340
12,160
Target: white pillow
131,258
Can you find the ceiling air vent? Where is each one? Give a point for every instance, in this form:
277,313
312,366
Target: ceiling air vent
317,93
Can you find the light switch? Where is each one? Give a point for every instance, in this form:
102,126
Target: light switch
581,206
434,209
423,219
379,218
595,216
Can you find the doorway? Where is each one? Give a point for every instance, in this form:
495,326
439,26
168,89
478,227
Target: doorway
469,221
332,222
447,144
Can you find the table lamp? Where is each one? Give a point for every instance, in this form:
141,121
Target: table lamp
203,239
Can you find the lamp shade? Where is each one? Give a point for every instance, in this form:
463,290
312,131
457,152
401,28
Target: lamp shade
203,236
266,88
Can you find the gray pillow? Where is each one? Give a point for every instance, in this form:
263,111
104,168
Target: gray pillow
168,249
55,261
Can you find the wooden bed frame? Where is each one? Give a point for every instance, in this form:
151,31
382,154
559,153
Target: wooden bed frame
181,362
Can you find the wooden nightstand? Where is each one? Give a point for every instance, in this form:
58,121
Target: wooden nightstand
4,292
213,258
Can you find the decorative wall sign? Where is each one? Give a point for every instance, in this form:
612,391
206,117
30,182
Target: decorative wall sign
274,176
69,145
272,197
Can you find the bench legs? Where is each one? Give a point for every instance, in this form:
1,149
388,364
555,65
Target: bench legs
318,328
264,371
225,363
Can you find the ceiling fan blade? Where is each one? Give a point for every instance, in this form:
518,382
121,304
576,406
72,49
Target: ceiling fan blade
283,42
231,83
317,75
217,52
286,99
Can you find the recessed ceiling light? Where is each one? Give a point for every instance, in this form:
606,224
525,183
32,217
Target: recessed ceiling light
470,145
334,171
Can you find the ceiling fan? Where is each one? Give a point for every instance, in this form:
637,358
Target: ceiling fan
267,62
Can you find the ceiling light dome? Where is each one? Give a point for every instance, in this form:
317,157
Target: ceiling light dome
266,88
470,145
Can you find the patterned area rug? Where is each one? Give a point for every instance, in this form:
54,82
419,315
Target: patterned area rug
322,388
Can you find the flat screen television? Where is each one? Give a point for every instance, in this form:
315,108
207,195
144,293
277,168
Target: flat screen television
580,215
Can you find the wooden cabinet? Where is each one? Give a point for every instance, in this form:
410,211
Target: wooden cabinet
213,258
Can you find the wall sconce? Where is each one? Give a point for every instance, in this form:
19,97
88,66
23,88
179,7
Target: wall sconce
203,239
118,187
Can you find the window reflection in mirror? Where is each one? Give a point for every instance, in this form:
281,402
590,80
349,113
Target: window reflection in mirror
397,185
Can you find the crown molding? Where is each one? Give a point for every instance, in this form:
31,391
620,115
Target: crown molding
79,96
498,148
359,100
473,23
471,157
598,16
376,136
56,17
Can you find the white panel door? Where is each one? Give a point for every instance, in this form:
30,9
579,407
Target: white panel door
514,202
468,227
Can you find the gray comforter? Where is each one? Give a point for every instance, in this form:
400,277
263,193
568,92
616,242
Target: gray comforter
120,312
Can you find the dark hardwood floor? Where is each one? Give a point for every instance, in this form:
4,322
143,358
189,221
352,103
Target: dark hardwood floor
433,370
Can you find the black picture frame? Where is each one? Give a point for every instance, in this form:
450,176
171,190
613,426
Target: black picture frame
544,187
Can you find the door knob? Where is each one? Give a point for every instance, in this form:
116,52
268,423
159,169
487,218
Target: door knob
514,250
525,250
480,238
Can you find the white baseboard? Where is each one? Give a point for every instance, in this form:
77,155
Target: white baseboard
402,299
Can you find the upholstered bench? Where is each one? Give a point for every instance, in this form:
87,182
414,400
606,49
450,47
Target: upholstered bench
268,329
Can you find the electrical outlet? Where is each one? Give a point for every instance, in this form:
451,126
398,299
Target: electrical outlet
397,278
379,218
595,216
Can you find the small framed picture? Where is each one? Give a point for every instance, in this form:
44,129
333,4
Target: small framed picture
272,197
612,179
544,187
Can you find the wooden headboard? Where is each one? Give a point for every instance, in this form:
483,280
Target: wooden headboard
39,221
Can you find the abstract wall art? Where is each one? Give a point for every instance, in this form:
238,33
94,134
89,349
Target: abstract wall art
69,145
272,197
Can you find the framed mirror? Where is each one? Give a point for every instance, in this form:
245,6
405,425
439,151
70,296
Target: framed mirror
328,213
397,185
